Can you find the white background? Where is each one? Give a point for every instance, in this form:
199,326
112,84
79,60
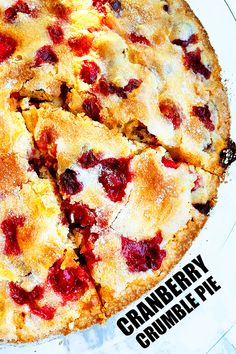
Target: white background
211,328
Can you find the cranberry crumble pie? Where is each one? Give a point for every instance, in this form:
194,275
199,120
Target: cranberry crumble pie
114,129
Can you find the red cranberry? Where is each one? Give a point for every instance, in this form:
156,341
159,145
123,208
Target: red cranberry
108,88
35,161
115,5
45,312
47,137
197,183
79,215
135,38
87,246
184,43
88,160
92,108
114,176
47,140
69,183
171,112
105,87
192,61
228,154
62,12
170,163
46,143
203,208
70,283
30,298
89,72
204,114
10,14
9,227
143,255
80,45
99,5
36,164
7,47
16,96
132,85
56,33
166,8
22,297
44,55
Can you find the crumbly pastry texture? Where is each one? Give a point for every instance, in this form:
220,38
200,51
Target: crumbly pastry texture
114,129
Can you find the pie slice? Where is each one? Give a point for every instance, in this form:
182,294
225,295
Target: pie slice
44,288
90,162
147,238
131,250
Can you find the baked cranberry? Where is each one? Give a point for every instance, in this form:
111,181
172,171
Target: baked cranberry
47,137
70,283
88,160
79,215
171,112
56,33
69,183
166,8
10,14
80,45
16,96
62,12
22,297
115,5
132,85
108,88
105,87
99,5
170,163
203,208
36,164
192,61
114,176
7,47
136,38
228,154
35,161
45,55
87,248
204,114
46,143
92,108
89,72
143,255
197,183
30,298
184,43
9,227
45,312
